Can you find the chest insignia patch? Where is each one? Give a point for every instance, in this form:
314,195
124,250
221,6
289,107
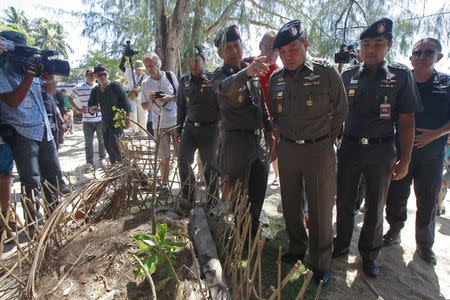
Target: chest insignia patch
312,79
280,108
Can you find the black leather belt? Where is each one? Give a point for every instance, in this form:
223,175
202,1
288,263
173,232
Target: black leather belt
301,142
369,141
200,124
246,131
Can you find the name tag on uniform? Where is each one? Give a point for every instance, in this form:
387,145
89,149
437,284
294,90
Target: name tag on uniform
385,111
351,92
279,95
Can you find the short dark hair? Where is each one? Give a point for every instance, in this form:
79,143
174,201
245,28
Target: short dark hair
436,42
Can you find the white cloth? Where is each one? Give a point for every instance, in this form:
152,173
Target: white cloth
138,114
81,92
169,111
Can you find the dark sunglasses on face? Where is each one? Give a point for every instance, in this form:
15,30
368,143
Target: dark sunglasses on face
427,53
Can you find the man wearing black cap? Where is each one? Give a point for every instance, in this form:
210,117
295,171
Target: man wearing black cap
244,116
381,96
197,116
432,128
308,106
106,95
24,124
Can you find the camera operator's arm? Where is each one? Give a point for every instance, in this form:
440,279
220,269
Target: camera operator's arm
16,97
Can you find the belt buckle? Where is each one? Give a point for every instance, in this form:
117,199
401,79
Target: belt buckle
300,142
364,141
196,124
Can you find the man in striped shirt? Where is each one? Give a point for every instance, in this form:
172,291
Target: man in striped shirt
92,123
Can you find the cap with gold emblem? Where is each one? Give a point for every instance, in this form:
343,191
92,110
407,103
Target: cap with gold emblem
288,33
382,27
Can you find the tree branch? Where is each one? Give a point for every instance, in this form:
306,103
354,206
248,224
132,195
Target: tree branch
256,23
257,5
222,19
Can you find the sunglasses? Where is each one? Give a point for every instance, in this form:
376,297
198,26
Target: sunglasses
102,74
427,53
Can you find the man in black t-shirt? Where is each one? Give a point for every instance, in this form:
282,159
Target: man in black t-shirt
425,169
103,97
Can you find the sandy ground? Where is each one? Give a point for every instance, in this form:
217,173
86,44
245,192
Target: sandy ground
404,275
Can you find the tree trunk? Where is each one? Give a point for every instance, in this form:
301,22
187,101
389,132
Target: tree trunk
168,31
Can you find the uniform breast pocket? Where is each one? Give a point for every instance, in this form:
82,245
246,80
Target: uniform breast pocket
281,103
318,103
188,93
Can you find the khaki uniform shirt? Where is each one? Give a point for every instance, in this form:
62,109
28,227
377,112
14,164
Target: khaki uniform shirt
308,103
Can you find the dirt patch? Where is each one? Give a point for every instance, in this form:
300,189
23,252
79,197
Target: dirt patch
105,269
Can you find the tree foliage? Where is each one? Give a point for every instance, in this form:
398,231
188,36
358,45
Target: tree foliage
41,33
169,27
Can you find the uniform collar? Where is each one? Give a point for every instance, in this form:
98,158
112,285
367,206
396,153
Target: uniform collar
231,69
201,77
382,68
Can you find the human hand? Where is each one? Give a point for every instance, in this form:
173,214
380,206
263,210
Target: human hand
84,110
166,98
257,67
400,170
127,123
426,137
93,109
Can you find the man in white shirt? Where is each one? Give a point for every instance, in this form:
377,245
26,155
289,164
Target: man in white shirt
92,123
159,97
138,114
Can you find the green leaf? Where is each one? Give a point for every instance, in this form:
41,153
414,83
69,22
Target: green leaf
141,236
161,230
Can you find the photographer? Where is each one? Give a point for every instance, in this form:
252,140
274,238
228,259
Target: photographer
24,123
138,114
159,96
106,95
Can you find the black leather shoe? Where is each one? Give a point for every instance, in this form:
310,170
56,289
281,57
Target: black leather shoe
290,258
391,238
338,250
322,275
370,267
427,254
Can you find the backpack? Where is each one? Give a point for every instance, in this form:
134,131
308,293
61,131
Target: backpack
169,76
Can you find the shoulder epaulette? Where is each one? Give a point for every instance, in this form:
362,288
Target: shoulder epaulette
350,68
322,62
398,66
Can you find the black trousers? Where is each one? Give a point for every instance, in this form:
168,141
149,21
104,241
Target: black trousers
111,138
427,177
204,139
375,162
241,157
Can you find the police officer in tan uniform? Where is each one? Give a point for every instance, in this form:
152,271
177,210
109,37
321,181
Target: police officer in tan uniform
308,105
197,116
244,120
381,96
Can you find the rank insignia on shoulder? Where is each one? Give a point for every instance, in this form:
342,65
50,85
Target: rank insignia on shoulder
351,93
280,108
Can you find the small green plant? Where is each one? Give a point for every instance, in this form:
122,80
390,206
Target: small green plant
119,117
154,250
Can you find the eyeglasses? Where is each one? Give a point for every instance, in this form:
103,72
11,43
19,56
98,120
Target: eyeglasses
427,53
102,74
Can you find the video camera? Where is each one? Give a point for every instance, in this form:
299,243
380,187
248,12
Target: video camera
345,53
38,61
128,51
